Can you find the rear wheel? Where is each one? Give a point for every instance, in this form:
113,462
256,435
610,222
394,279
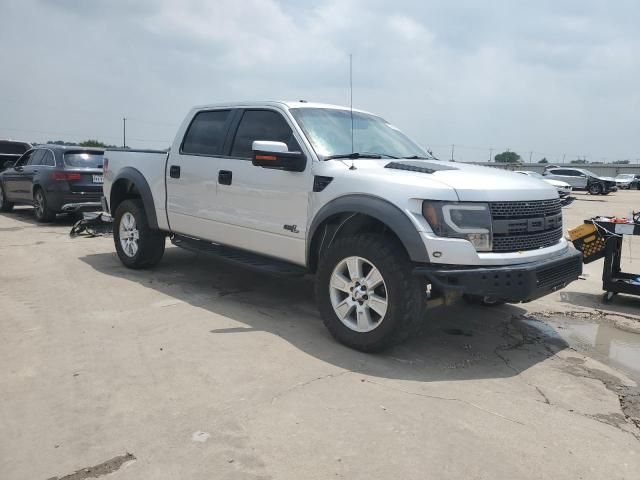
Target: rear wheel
366,294
595,189
5,205
137,244
41,207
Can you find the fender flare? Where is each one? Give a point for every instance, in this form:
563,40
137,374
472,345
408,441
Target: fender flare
381,210
134,176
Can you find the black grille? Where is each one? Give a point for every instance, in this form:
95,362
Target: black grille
558,274
529,241
532,209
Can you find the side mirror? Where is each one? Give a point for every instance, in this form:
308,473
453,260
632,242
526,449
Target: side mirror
9,164
277,155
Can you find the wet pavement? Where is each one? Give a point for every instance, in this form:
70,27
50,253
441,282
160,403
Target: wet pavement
594,334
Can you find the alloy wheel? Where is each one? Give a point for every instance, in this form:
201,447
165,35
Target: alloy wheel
129,234
358,294
39,204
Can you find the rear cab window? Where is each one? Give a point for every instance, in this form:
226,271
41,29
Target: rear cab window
79,159
206,133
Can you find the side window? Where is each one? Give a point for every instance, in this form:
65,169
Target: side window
36,157
48,159
262,125
562,172
206,134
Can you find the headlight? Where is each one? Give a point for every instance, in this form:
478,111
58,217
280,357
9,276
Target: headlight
470,221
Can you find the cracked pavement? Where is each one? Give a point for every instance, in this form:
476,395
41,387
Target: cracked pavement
97,360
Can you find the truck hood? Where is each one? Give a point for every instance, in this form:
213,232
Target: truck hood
470,182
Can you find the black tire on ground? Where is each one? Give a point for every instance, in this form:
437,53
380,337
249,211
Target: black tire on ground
41,207
5,205
595,189
405,293
150,242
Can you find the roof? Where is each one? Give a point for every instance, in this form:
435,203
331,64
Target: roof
65,148
271,103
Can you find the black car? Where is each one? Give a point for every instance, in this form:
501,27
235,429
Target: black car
54,179
10,151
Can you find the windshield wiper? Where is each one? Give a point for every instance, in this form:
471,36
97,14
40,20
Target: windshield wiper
356,155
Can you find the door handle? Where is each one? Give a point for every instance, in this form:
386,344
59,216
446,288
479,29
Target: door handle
225,177
174,171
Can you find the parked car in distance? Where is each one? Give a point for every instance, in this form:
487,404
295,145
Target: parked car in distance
54,179
563,188
295,188
627,181
582,179
10,151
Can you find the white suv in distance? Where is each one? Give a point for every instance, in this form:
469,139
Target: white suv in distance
563,188
582,179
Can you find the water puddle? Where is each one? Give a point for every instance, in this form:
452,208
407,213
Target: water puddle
604,340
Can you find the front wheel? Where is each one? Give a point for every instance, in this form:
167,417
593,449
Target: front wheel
137,244
5,205
366,294
595,189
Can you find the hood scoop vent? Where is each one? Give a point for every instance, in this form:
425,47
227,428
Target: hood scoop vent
419,166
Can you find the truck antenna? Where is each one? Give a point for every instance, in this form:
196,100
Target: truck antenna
353,167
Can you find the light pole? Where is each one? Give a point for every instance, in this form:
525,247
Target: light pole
124,132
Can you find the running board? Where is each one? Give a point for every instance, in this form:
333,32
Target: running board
239,257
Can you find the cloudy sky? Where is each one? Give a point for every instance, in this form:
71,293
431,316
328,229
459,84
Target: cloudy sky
552,77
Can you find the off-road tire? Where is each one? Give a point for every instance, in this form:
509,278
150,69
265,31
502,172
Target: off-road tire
5,205
595,189
150,241
41,208
405,292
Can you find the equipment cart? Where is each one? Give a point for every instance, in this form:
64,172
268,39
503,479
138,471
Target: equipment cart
597,239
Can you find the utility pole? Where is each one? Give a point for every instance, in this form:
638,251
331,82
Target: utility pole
490,154
453,147
124,132
530,153
564,155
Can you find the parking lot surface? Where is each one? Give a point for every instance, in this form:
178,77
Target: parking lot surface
196,370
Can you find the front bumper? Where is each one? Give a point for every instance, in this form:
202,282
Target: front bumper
511,283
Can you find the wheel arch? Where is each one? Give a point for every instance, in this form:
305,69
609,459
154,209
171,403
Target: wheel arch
359,214
130,183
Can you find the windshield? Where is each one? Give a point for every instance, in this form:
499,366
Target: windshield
625,176
535,174
329,132
83,160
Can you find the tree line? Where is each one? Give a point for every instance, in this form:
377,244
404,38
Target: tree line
513,157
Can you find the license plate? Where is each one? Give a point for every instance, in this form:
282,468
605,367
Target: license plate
98,179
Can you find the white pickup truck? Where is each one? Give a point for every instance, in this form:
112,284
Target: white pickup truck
297,188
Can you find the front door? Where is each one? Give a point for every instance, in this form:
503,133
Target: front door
14,178
263,210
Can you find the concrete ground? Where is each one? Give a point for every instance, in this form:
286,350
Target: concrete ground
198,370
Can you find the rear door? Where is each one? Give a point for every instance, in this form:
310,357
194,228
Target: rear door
192,175
263,210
